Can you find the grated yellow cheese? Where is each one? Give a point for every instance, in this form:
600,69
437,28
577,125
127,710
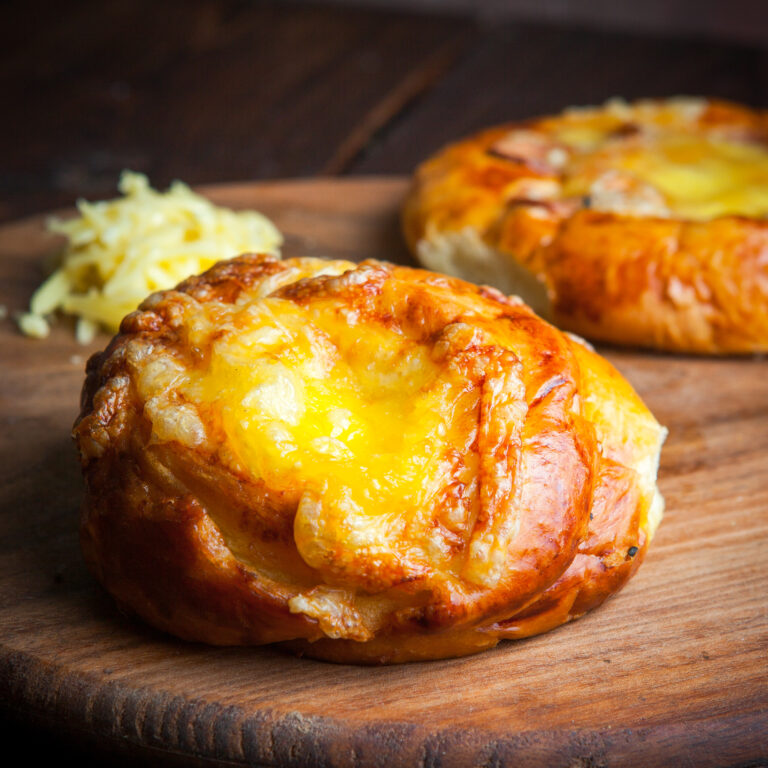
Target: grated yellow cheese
119,251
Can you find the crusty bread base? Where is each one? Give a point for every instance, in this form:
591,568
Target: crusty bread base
626,434
465,255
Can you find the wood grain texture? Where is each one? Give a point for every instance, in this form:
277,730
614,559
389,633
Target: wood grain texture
672,670
739,19
206,90
515,71
216,90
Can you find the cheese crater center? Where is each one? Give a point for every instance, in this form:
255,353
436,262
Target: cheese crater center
352,417
699,177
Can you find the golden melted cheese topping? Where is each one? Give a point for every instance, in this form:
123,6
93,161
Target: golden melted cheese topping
699,177
658,159
349,407
358,421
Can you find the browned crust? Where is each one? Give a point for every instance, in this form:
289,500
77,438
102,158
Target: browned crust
205,550
663,283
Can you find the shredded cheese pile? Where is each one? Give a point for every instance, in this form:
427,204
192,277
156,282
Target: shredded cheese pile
119,251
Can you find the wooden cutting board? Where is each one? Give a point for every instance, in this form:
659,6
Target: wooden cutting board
672,670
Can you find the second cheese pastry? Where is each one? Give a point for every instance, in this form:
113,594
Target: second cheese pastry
368,462
643,224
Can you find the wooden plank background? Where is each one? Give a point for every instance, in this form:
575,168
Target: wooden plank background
744,20
225,90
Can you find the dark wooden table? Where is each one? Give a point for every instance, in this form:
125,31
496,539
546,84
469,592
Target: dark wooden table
221,90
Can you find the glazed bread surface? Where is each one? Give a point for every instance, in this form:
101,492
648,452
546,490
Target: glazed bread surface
639,224
369,463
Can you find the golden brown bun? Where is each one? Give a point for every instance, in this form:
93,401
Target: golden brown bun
640,224
369,462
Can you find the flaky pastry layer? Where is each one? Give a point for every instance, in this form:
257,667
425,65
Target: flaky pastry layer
643,224
368,462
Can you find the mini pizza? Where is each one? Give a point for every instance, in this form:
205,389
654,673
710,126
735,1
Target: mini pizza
368,463
635,224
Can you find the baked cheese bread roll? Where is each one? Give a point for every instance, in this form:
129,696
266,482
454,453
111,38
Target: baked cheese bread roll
641,224
370,463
